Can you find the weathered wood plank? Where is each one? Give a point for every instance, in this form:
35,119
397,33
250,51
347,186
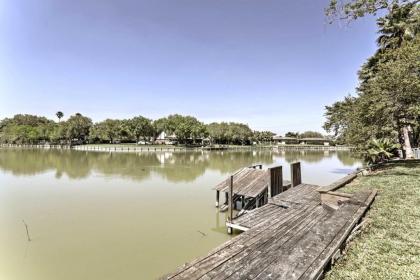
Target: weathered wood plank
296,174
283,242
298,194
230,203
293,260
317,267
235,245
254,255
255,217
276,180
338,184
222,186
247,182
265,237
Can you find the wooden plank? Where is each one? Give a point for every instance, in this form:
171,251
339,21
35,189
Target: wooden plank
296,174
245,248
230,205
294,260
237,226
245,179
266,212
254,256
248,182
298,194
332,200
255,185
338,184
225,183
317,267
291,261
251,182
276,180
282,243
239,177
233,245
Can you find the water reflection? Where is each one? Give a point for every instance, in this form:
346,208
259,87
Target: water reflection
307,156
173,166
98,211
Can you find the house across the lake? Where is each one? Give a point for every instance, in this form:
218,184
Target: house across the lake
171,139
315,141
280,140
165,139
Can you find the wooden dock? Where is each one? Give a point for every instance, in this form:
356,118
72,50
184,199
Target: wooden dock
296,235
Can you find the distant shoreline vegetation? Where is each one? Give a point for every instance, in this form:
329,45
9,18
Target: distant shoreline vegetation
174,129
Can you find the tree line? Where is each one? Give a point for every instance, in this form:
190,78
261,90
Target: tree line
385,113
31,129
306,134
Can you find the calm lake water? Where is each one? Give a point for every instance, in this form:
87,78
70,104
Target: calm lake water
98,215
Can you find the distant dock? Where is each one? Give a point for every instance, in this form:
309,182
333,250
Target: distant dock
159,148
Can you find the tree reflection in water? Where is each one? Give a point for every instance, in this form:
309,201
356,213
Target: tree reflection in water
173,166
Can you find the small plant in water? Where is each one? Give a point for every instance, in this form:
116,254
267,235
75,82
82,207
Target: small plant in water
27,231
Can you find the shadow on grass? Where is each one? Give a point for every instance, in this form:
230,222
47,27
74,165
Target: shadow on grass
390,165
399,173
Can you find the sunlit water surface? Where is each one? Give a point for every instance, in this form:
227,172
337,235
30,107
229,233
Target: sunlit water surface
98,215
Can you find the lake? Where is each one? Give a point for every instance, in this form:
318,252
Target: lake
100,215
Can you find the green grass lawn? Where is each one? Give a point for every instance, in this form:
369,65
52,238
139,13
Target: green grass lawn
389,245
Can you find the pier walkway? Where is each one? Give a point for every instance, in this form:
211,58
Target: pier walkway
296,235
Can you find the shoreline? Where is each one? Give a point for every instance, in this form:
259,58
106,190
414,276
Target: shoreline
170,148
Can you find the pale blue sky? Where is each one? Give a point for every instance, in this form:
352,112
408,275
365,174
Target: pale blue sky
273,64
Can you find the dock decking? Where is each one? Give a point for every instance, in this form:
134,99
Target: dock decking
286,202
294,236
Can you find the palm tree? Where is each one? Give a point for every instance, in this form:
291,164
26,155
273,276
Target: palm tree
401,23
59,115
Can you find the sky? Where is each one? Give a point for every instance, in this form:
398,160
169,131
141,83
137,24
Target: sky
273,64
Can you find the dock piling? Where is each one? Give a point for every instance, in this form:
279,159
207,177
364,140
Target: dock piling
296,174
230,211
276,180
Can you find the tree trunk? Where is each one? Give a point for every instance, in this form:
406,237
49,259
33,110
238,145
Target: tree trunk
407,144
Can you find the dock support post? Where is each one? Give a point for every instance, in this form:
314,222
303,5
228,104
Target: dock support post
217,198
296,174
276,180
230,211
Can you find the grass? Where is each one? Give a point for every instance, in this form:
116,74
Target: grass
389,246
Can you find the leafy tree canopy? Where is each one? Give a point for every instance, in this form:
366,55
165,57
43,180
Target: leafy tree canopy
387,103
311,134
